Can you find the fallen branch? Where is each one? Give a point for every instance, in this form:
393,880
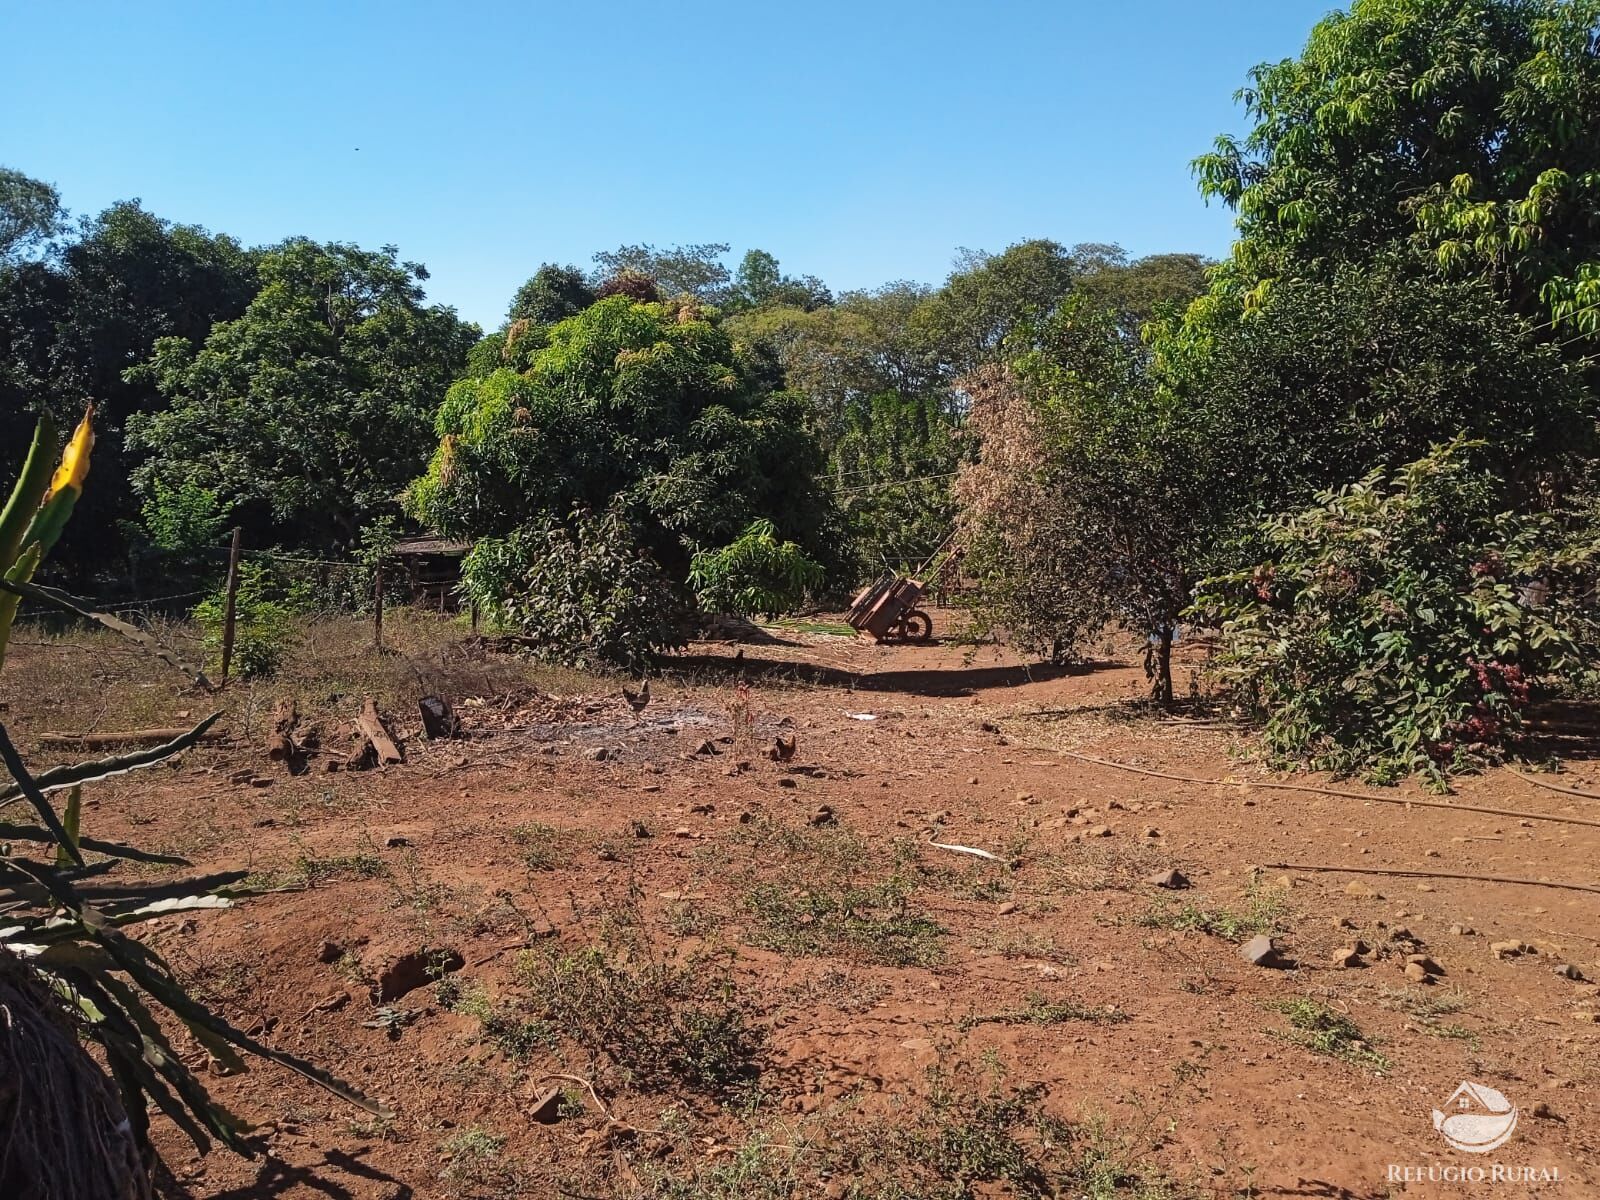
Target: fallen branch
1572,887
1322,791
973,850
100,741
1555,787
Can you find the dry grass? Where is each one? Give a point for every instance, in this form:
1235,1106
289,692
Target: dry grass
81,680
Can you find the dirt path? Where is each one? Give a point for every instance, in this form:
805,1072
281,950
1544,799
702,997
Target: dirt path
882,982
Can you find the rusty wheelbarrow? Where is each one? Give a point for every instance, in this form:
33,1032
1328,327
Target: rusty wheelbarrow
887,609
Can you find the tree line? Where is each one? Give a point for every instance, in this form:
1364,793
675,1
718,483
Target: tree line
1361,448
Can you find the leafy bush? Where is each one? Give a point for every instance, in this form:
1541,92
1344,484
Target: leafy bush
263,626
1404,620
754,574
582,592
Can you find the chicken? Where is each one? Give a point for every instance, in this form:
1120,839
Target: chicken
637,700
782,748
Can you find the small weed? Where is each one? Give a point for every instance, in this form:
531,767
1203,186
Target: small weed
509,1030
874,923
472,1159
659,1022
541,846
1039,1011
1324,1031
1265,912
1425,1005
685,919
1025,944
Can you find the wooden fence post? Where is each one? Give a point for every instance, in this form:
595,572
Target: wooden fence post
228,604
377,607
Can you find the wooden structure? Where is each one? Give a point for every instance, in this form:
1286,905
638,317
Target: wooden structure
433,569
888,609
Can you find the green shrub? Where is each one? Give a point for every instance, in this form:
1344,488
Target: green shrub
263,622
756,573
1404,620
583,592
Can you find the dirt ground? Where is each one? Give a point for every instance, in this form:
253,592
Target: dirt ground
588,952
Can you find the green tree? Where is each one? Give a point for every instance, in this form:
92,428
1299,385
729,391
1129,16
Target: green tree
72,324
1327,378
988,296
694,270
841,355
310,412
647,412
553,294
1091,500
760,283
30,213
895,463
1463,125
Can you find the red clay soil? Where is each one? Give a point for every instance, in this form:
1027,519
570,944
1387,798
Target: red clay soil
1206,1080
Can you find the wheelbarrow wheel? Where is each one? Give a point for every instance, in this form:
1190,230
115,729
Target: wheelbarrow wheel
918,626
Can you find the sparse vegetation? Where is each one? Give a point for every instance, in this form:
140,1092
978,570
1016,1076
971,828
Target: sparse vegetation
1040,1010
1323,1030
1266,911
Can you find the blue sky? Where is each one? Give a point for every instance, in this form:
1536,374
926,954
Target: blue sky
861,142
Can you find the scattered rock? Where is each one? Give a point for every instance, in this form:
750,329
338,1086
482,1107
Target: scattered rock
1509,949
329,952
1543,1111
598,754
1356,888
702,809
1099,831
1568,971
1262,951
1150,831
546,1108
1347,957
786,782
823,815
1173,879
396,842
1426,963
605,854
638,829
1006,909
1417,973
1462,930
1586,1017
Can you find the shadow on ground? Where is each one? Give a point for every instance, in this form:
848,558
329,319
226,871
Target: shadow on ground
956,681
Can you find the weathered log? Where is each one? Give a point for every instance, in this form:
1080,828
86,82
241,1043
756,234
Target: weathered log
370,725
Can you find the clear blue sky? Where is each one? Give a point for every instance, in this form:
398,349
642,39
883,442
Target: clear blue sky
861,142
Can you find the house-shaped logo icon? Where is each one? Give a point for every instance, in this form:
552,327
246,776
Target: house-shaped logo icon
1476,1119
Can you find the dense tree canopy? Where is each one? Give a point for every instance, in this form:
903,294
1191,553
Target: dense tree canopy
30,213
71,326
553,294
310,412
646,408
1464,125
